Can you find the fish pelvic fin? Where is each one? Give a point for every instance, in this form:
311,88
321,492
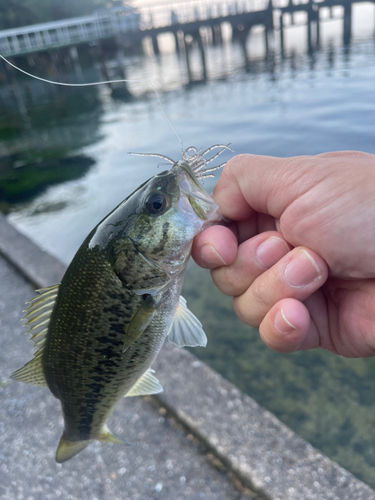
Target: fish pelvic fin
106,436
67,449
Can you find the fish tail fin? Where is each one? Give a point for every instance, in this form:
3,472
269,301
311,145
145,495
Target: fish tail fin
106,436
67,449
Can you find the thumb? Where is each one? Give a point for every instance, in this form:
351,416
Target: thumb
263,184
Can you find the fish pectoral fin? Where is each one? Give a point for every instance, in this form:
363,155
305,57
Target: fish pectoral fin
186,329
140,321
146,385
67,449
106,436
32,372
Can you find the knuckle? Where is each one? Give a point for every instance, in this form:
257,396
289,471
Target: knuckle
234,166
221,282
254,304
226,281
260,294
245,311
227,173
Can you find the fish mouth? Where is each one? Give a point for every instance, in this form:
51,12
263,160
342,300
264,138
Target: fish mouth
188,170
199,200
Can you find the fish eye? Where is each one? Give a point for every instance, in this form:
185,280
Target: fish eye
156,203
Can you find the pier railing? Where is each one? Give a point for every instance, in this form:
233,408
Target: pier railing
77,30
152,19
66,32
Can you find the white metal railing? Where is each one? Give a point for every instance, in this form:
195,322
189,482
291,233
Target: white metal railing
107,23
66,32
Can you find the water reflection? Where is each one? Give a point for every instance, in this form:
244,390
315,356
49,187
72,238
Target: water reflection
21,180
39,137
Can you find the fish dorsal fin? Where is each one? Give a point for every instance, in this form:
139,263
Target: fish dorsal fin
38,314
186,329
147,384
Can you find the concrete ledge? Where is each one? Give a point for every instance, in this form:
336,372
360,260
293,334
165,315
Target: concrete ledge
36,265
262,452
252,443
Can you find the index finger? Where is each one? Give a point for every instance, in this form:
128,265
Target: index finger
263,184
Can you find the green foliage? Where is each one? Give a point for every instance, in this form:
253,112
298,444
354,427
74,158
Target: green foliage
22,183
39,148
15,13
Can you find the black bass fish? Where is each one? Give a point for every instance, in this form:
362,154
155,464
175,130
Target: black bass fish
98,332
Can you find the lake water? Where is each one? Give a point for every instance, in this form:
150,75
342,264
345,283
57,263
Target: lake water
64,165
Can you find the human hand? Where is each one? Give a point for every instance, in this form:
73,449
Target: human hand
299,254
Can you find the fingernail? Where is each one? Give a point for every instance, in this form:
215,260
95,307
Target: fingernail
211,257
301,270
271,251
281,323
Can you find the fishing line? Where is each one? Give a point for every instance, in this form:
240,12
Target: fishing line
97,83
